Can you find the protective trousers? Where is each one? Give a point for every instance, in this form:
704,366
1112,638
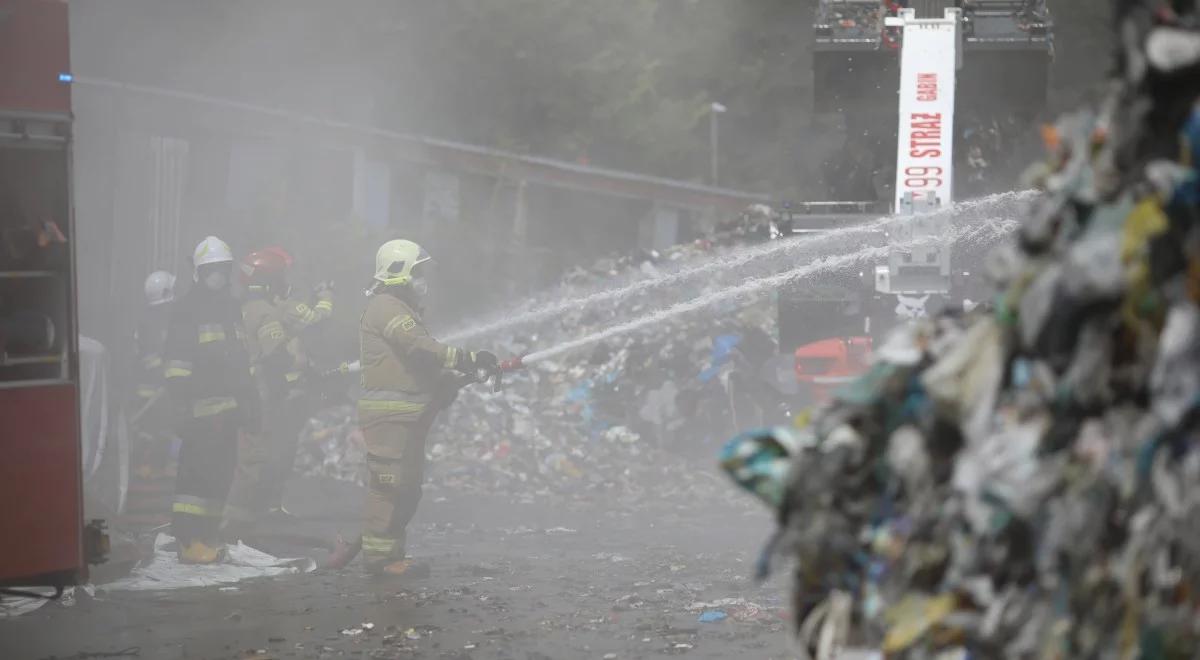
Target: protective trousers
283,428
264,463
396,469
248,494
207,458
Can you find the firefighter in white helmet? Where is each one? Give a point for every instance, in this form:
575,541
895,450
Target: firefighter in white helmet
150,335
207,373
408,377
149,412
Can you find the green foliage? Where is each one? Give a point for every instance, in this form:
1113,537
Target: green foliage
620,83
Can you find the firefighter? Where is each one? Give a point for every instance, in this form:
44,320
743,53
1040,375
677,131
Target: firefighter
207,374
273,322
407,379
149,337
298,318
149,413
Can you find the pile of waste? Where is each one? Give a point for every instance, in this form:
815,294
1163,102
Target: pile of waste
1024,480
638,414
331,445
633,416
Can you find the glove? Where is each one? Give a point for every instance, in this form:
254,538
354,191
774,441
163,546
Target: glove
323,288
484,365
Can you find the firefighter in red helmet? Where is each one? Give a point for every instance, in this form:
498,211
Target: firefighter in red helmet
281,369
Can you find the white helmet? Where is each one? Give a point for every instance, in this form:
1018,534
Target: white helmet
159,288
211,250
395,261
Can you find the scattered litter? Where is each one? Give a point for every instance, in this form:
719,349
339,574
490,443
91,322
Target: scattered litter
712,616
738,609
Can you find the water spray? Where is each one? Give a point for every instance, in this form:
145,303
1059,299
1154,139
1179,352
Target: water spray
732,261
989,229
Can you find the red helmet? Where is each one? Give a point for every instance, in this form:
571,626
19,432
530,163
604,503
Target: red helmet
281,252
266,270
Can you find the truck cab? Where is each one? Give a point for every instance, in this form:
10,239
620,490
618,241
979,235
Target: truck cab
47,542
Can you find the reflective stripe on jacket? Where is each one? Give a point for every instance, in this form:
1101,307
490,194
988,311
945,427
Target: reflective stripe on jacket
403,367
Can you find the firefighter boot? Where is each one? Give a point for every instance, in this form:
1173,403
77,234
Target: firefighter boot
343,553
403,568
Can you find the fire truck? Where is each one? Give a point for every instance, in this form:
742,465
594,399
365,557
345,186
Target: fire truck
933,97
46,541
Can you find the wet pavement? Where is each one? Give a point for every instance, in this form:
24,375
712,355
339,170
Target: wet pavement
522,580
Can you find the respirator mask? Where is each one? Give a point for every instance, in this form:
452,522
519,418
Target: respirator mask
420,286
215,277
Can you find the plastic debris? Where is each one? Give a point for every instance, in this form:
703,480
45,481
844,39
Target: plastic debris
610,420
623,419
712,616
164,571
1024,480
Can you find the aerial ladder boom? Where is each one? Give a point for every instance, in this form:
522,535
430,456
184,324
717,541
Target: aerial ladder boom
930,57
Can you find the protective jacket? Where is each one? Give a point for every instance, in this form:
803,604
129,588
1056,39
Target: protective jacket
404,369
273,361
206,367
149,339
297,314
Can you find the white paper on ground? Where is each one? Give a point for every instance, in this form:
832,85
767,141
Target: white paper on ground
165,571
13,606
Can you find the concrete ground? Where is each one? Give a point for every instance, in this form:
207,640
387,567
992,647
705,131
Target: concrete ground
540,581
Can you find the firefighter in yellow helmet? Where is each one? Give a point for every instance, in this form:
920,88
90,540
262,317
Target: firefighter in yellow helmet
407,378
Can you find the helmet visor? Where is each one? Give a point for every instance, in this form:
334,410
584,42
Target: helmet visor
419,268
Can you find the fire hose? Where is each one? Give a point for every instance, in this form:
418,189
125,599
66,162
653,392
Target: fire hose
495,375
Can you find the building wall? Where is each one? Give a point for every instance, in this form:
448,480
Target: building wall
153,181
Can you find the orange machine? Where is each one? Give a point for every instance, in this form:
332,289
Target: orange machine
824,366
41,500
825,328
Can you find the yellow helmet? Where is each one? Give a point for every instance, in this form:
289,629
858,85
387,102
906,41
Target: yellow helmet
395,261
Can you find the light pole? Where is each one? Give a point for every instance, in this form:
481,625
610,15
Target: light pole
714,110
